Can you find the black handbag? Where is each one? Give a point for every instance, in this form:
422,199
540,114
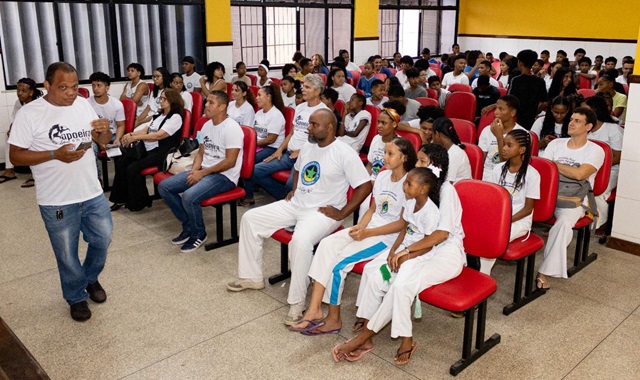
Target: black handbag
134,151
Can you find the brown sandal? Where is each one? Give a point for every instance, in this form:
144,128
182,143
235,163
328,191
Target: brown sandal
407,352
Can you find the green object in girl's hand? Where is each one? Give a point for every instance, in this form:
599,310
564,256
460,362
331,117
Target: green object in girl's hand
386,275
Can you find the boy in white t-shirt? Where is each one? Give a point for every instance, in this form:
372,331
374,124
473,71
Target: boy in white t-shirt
216,169
377,98
191,77
457,75
355,127
325,169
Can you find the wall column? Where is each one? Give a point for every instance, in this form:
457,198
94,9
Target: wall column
365,30
219,41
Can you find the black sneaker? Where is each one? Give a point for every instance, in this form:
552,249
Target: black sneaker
181,239
192,244
96,292
80,311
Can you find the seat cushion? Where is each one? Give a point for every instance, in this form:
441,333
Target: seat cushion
149,171
282,175
582,222
461,293
359,267
161,176
363,157
227,196
612,197
283,236
523,247
102,154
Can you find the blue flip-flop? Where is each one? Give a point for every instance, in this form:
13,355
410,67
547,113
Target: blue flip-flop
315,331
311,324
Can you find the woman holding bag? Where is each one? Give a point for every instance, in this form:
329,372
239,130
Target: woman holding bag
129,186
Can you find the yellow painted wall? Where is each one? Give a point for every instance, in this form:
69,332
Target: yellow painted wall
365,18
583,19
218,16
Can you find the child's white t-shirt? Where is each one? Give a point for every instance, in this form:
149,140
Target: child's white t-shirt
450,79
389,198
216,139
243,115
530,188
351,122
376,155
112,110
289,101
345,91
270,122
191,82
378,104
420,223
590,153
300,124
459,165
489,144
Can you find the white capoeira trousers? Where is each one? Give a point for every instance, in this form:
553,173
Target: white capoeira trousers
335,258
601,200
519,228
259,223
383,301
554,263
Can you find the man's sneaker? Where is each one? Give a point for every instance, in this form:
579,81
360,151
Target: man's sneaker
244,284
80,311
96,292
181,239
192,244
295,314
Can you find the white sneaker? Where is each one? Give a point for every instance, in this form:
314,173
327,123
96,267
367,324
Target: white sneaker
244,284
295,314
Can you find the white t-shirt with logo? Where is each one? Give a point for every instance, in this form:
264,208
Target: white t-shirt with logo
389,198
530,188
216,139
351,122
421,223
40,127
459,165
154,102
376,155
489,144
270,122
300,124
191,82
113,110
325,174
243,115
171,126
590,153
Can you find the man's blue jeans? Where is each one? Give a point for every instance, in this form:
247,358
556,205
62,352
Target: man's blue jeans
262,176
64,224
187,208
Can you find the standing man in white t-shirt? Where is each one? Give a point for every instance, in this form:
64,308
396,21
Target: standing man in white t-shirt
323,173
190,78
285,156
216,169
577,158
51,134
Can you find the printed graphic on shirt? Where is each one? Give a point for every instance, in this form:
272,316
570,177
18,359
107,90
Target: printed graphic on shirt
61,135
376,166
260,131
310,173
211,149
189,85
568,161
495,158
387,199
300,124
411,229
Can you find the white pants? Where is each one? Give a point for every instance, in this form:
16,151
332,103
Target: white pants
335,257
7,161
554,263
384,301
259,223
601,200
519,228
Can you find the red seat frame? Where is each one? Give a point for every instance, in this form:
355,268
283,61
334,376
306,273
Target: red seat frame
427,101
461,87
474,154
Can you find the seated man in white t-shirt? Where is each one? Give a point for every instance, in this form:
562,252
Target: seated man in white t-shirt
457,75
191,77
325,169
216,169
577,158
355,127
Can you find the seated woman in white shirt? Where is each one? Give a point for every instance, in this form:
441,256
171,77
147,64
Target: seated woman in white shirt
177,83
555,123
263,71
161,79
337,81
445,135
241,108
214,79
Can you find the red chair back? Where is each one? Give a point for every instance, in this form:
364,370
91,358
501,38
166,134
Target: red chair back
487,207
254,90
460,87
151,87
414,138
585,83
373,130
431,93
196,111
427,101
602,176
503,91
586,92
129,114
359,91
200,122
381,76
350,81
543,208
474,154
248,152
461,105
486,120
254,78
356,77
496,67
466,130
276,81
84,92
323,76
186,124
229,87
436,69
535,144
289,113
339,106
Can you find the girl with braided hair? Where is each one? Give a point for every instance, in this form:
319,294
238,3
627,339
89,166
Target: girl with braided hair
445,135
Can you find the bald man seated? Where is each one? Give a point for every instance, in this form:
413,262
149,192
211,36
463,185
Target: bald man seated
323,172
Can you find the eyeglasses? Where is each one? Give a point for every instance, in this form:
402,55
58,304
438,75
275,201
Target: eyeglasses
162,98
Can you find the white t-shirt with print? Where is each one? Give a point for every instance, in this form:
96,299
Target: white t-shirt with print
16,107
40,127
300,124
450,79
489,144
325,174
420,223
216,139
389,198
379,104
351,122
113,110
590,153
270,122
612,134
154,103
243,115
459,165
171,126
376,155
191,82
530,188
345,91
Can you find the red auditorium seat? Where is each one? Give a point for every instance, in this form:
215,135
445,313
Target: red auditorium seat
254,78
466,130
474,154
461,105
461,87
83,92
535,144
373,131
431,93
427,101
196,111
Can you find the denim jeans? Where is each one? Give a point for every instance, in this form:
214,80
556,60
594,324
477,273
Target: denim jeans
260,156
187,208
64,224
262,176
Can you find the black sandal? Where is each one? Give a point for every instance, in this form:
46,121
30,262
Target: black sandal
358,326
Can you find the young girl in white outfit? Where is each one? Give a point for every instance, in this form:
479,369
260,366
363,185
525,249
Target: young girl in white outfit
445,134
377,230
390,284
521,180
